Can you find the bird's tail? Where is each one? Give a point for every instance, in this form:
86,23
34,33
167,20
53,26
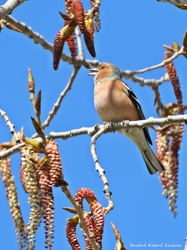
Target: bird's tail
151,161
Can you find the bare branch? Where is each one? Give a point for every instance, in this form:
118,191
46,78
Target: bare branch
79,44
100,169
74,132
8,7
151,121
116,125
56,106
8,122
160,65
113,127
157,100
6,153
10,125
39,39
145,82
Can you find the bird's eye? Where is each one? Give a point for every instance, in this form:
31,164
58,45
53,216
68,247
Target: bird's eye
102,67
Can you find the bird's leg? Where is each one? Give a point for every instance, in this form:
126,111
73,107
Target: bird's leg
125,125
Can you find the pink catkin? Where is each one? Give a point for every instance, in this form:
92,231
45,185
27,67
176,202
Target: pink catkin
72,47
58,47
98,221
89,41
47,205
55,163
78,10
71,235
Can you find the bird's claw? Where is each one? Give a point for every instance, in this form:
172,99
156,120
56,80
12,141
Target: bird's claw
110,126
125,125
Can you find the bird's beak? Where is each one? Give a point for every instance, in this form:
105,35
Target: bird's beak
93,72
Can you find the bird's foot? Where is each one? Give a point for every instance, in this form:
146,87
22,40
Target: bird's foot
110,126
125,125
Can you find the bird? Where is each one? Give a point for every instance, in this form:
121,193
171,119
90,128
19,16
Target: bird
115,101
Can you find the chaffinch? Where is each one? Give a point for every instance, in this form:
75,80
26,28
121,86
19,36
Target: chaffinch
115,102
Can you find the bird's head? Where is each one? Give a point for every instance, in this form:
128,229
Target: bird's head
105,71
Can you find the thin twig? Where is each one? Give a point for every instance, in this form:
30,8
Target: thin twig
10,125
100,169
8,7
78,209
157,101
74,132
146,82
160,65
6,153
79,44
56,106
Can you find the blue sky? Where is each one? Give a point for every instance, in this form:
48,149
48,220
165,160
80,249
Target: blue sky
132,36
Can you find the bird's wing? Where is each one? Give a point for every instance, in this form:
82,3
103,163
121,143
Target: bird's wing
137,105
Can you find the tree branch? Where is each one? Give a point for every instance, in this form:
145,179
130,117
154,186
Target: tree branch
160,65
117,125
10,125
145,82
6,153
157,101
79,44
8,7
100,169
56,106
110,127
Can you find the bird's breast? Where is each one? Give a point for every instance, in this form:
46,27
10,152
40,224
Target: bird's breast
112,103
